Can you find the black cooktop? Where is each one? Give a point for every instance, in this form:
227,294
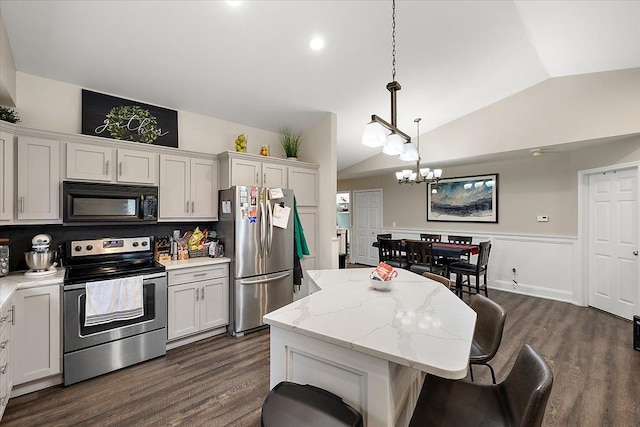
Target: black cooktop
82,273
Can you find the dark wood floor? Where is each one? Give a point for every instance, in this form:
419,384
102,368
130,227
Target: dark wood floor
222,381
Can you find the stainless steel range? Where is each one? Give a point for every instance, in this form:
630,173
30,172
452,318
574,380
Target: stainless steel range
95,349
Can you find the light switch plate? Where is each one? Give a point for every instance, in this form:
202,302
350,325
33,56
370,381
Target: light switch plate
542,218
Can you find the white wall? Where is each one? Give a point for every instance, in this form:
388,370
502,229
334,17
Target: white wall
320,147
56,106
7,69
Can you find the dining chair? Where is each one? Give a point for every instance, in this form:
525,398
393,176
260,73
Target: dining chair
378,238
438,278
290,404
460,240
392,252
430,237
419,257
384,236
519,400
487,334
465,268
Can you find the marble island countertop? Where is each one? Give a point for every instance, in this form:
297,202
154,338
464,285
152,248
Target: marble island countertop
17,280
418,323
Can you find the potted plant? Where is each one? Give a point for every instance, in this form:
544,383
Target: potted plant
291,142
8,115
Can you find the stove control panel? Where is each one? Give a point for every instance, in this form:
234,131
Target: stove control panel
110,246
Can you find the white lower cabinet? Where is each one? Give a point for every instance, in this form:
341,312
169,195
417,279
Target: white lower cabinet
198,300
5,359
36,334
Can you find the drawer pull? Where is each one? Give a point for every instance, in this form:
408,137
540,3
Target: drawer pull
199,274
202,294
3,344
3,370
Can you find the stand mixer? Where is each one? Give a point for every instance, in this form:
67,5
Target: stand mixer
40,259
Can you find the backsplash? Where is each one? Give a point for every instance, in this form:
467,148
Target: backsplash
20,235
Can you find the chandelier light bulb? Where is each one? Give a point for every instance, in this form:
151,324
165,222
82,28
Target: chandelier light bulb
394,145
413,176
399,176
437,173
410,153
375,135
424,172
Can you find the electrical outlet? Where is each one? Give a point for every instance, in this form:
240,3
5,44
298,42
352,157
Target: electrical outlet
393,223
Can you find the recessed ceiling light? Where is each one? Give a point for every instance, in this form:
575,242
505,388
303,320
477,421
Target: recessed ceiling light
234,3
316,43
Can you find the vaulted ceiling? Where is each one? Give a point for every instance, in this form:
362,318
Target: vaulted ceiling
250,62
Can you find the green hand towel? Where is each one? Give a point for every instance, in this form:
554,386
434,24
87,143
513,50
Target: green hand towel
301,243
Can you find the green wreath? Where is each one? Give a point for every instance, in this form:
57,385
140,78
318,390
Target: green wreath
132,123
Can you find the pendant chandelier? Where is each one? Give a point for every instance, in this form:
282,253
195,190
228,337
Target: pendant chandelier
379,133
407,176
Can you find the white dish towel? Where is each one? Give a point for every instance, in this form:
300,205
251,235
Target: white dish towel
112,300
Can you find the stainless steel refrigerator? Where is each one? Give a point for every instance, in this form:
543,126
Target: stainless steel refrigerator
261,253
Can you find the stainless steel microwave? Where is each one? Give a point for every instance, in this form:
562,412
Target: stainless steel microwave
90,203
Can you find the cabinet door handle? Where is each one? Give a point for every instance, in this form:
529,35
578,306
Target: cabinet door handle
257,178
187,208
106,167
21,204
3,344
120,169
4,368
192,206
264,178
202,294
13,314
197,295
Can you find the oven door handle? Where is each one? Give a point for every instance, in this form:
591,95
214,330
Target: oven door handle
73,287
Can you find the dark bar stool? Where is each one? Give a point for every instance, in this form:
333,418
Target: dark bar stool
292,405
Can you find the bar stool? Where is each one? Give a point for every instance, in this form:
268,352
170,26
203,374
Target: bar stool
292,405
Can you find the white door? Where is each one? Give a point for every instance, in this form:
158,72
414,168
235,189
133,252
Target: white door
367,221
613,242
137,166
184,310
204,193
174,197
214,303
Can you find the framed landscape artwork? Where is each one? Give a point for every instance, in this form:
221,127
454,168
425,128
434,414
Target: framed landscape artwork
111,117
463,199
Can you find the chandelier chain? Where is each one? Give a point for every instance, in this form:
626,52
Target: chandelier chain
393,41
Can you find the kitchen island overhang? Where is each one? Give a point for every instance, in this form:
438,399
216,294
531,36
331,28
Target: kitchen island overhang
371,347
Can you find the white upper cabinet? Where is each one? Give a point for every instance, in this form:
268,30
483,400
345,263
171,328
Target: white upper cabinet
274,175
38,175
304,183
6,177
262,171
103,163
245,172
188,188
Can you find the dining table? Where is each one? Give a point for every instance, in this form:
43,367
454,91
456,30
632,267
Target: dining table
445,249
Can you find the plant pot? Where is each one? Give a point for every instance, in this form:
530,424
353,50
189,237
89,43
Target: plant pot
292,158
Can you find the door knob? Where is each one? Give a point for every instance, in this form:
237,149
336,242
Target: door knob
635,253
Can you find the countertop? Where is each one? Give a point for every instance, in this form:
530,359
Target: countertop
17,280
418,323
194,262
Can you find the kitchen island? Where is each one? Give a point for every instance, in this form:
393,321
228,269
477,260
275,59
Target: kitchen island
371,347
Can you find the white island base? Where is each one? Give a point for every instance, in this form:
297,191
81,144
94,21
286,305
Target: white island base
384,392
371,348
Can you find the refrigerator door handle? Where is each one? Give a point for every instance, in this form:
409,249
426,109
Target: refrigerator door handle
270,225
270,279
263,231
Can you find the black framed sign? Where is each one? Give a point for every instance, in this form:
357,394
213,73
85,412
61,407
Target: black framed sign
111,117
463,199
